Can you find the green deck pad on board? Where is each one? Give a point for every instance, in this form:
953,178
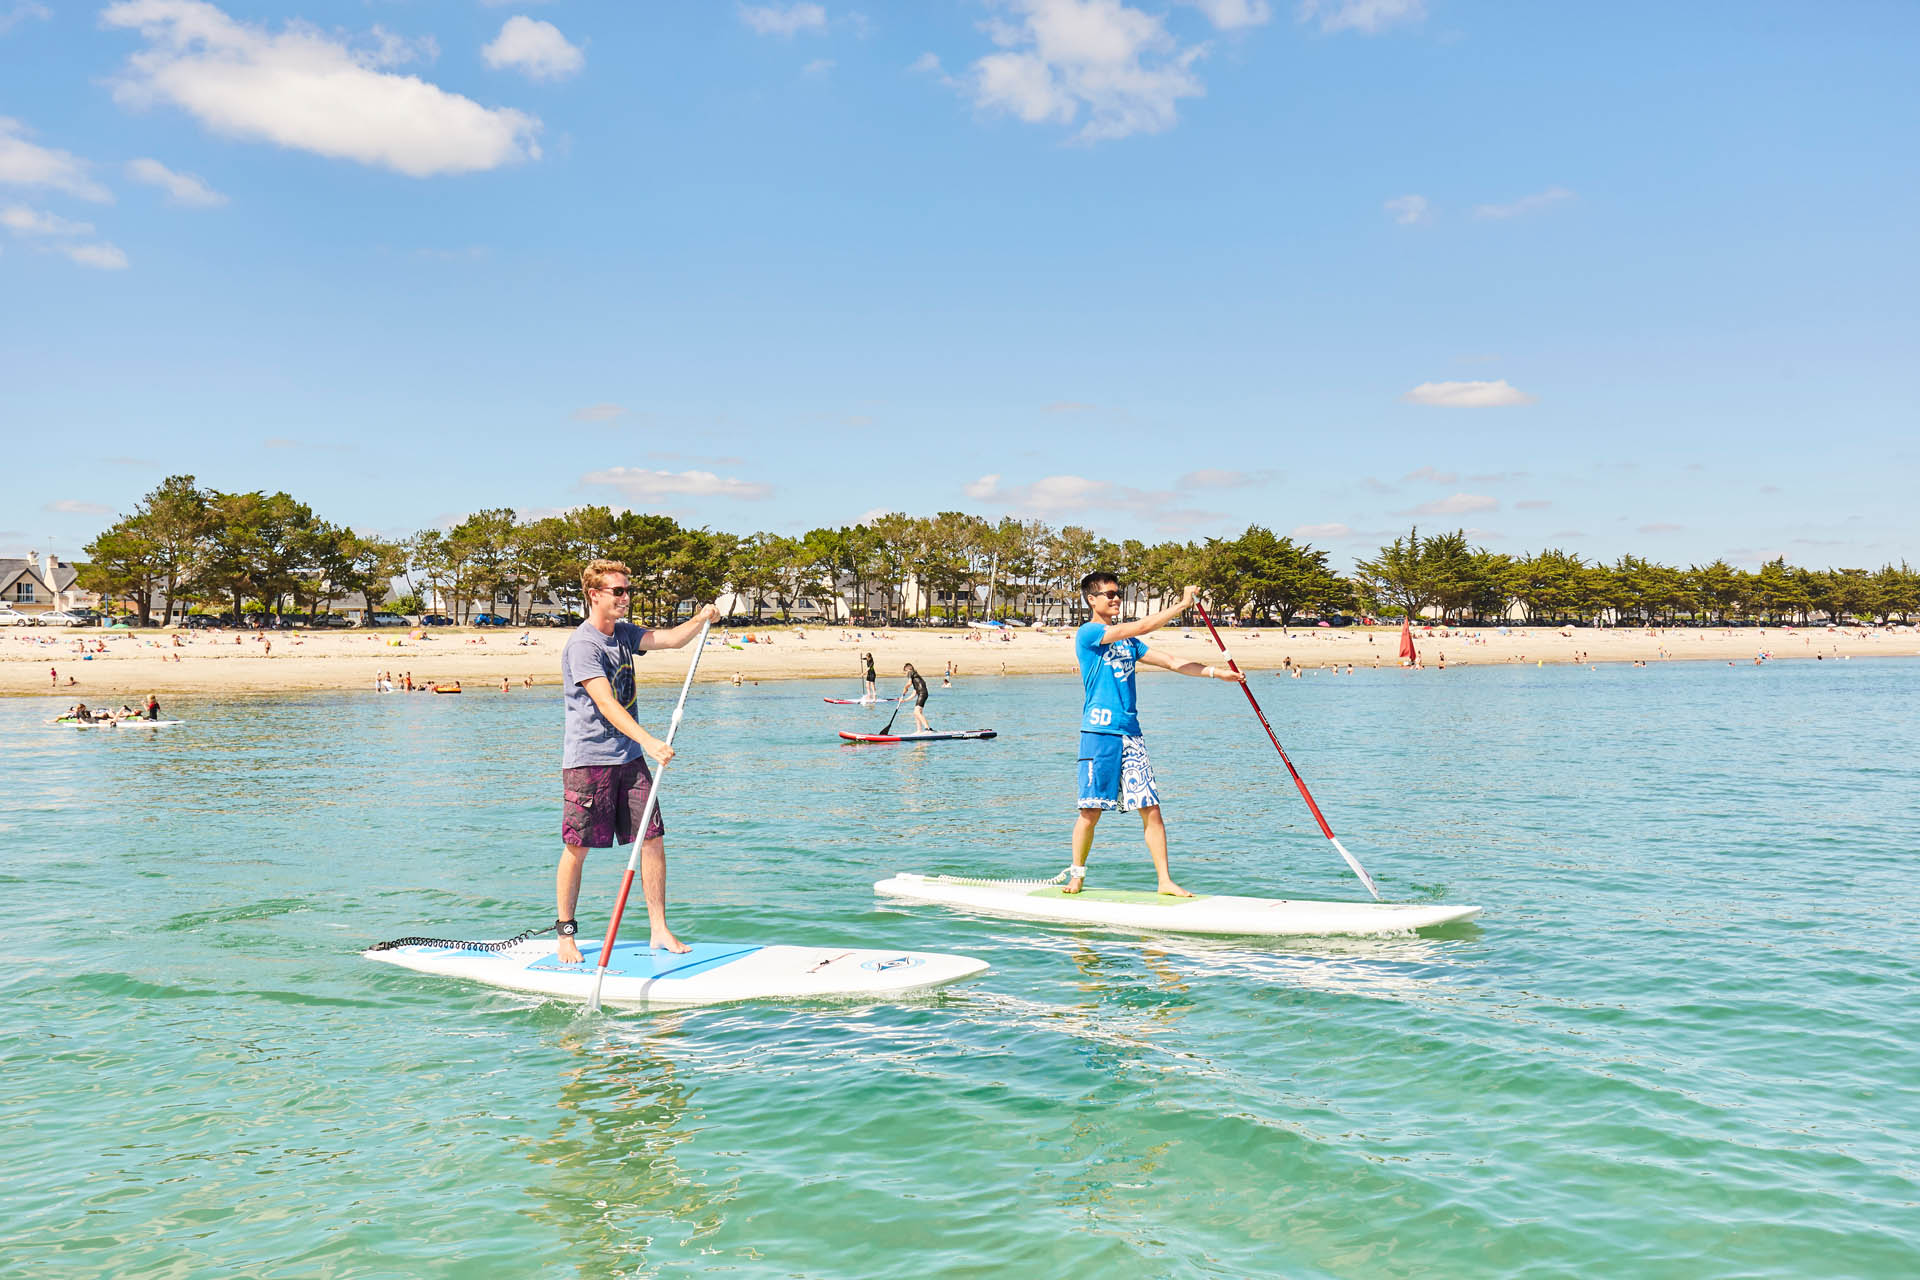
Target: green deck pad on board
1140,897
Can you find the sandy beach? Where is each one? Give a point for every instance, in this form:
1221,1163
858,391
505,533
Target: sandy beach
212,662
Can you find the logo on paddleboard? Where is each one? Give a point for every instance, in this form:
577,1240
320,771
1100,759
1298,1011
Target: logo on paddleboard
892,962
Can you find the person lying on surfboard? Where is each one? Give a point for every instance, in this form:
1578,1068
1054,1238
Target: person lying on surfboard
603,771
1114,770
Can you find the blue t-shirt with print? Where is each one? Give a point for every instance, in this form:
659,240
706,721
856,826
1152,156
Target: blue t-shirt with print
1107,672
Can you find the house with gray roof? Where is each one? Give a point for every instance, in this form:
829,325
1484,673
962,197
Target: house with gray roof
34,585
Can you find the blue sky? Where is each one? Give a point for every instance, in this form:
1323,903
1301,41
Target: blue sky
1610,277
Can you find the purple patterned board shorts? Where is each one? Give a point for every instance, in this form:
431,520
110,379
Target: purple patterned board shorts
604,801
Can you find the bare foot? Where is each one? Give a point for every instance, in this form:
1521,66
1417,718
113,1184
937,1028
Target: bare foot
1169,889
664,941
569,952
1074,883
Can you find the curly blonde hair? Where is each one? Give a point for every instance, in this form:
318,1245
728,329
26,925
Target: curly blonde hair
597,573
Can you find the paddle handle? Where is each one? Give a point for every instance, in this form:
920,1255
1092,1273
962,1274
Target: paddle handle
1274,738
640,829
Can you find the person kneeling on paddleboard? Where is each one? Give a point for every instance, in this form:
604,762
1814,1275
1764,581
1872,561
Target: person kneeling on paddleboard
603,762
1114,770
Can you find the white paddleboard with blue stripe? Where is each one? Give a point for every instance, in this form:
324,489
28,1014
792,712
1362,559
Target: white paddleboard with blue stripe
1148,912
711,973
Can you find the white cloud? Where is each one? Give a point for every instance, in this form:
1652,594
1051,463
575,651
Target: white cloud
605,412
1230,15
181,188
1468,395
1366,16
1428,475
1216,478
1524,205
1066,495
642,484
925,64
76,507
776,20
105,257
24,11
1059,58
818,67
22,221
27,164
1307,532
309,91
1458,505
1409,211
535,48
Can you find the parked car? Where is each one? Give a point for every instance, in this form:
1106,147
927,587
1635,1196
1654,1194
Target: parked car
435,620
12,617
488,620
384,620
57,618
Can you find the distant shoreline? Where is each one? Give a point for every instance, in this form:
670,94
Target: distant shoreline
302,662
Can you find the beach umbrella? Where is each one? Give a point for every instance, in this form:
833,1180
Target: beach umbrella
1406,641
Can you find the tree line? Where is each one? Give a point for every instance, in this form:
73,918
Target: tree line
186,543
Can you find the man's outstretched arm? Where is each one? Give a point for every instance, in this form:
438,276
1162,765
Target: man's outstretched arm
1153,621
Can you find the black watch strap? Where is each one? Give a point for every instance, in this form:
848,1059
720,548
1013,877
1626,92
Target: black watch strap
566,928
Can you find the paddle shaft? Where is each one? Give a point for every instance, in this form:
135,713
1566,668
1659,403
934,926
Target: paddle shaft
640,829
1272,737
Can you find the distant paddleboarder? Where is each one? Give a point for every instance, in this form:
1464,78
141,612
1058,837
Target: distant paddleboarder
872,681
917,686
604,772
1114,770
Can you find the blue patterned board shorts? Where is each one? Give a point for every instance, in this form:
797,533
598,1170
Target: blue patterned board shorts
1115,773
604,802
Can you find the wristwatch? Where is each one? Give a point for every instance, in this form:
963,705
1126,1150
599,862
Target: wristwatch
566,928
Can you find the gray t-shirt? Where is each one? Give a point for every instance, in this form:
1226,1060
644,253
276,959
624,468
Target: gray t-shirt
589,739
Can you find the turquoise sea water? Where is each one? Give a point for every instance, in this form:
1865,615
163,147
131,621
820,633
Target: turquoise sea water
1681,1041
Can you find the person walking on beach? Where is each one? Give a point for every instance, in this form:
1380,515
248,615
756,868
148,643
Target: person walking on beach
873,689
1114,770
604,775
917,686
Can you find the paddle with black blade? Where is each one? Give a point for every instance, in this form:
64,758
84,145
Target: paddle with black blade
640,830
899,703
1306,795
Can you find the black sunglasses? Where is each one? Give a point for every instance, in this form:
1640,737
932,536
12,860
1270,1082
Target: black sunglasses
618,591
1111,595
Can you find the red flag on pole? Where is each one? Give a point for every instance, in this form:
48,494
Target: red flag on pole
1407,655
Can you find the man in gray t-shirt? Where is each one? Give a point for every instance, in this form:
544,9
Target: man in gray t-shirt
603,763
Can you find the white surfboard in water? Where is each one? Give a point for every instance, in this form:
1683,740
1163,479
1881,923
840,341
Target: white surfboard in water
1147,912
711,973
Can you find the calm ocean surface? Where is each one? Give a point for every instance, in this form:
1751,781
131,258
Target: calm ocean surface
1683,1040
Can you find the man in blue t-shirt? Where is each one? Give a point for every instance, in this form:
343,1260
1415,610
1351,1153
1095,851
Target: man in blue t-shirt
1114,770
603,753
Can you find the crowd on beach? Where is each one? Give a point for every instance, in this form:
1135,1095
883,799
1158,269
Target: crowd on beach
35,661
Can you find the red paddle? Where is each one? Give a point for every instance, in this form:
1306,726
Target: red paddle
1306,795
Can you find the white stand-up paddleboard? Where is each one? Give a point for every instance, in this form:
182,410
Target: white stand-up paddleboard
711,973
1155,913
128,723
